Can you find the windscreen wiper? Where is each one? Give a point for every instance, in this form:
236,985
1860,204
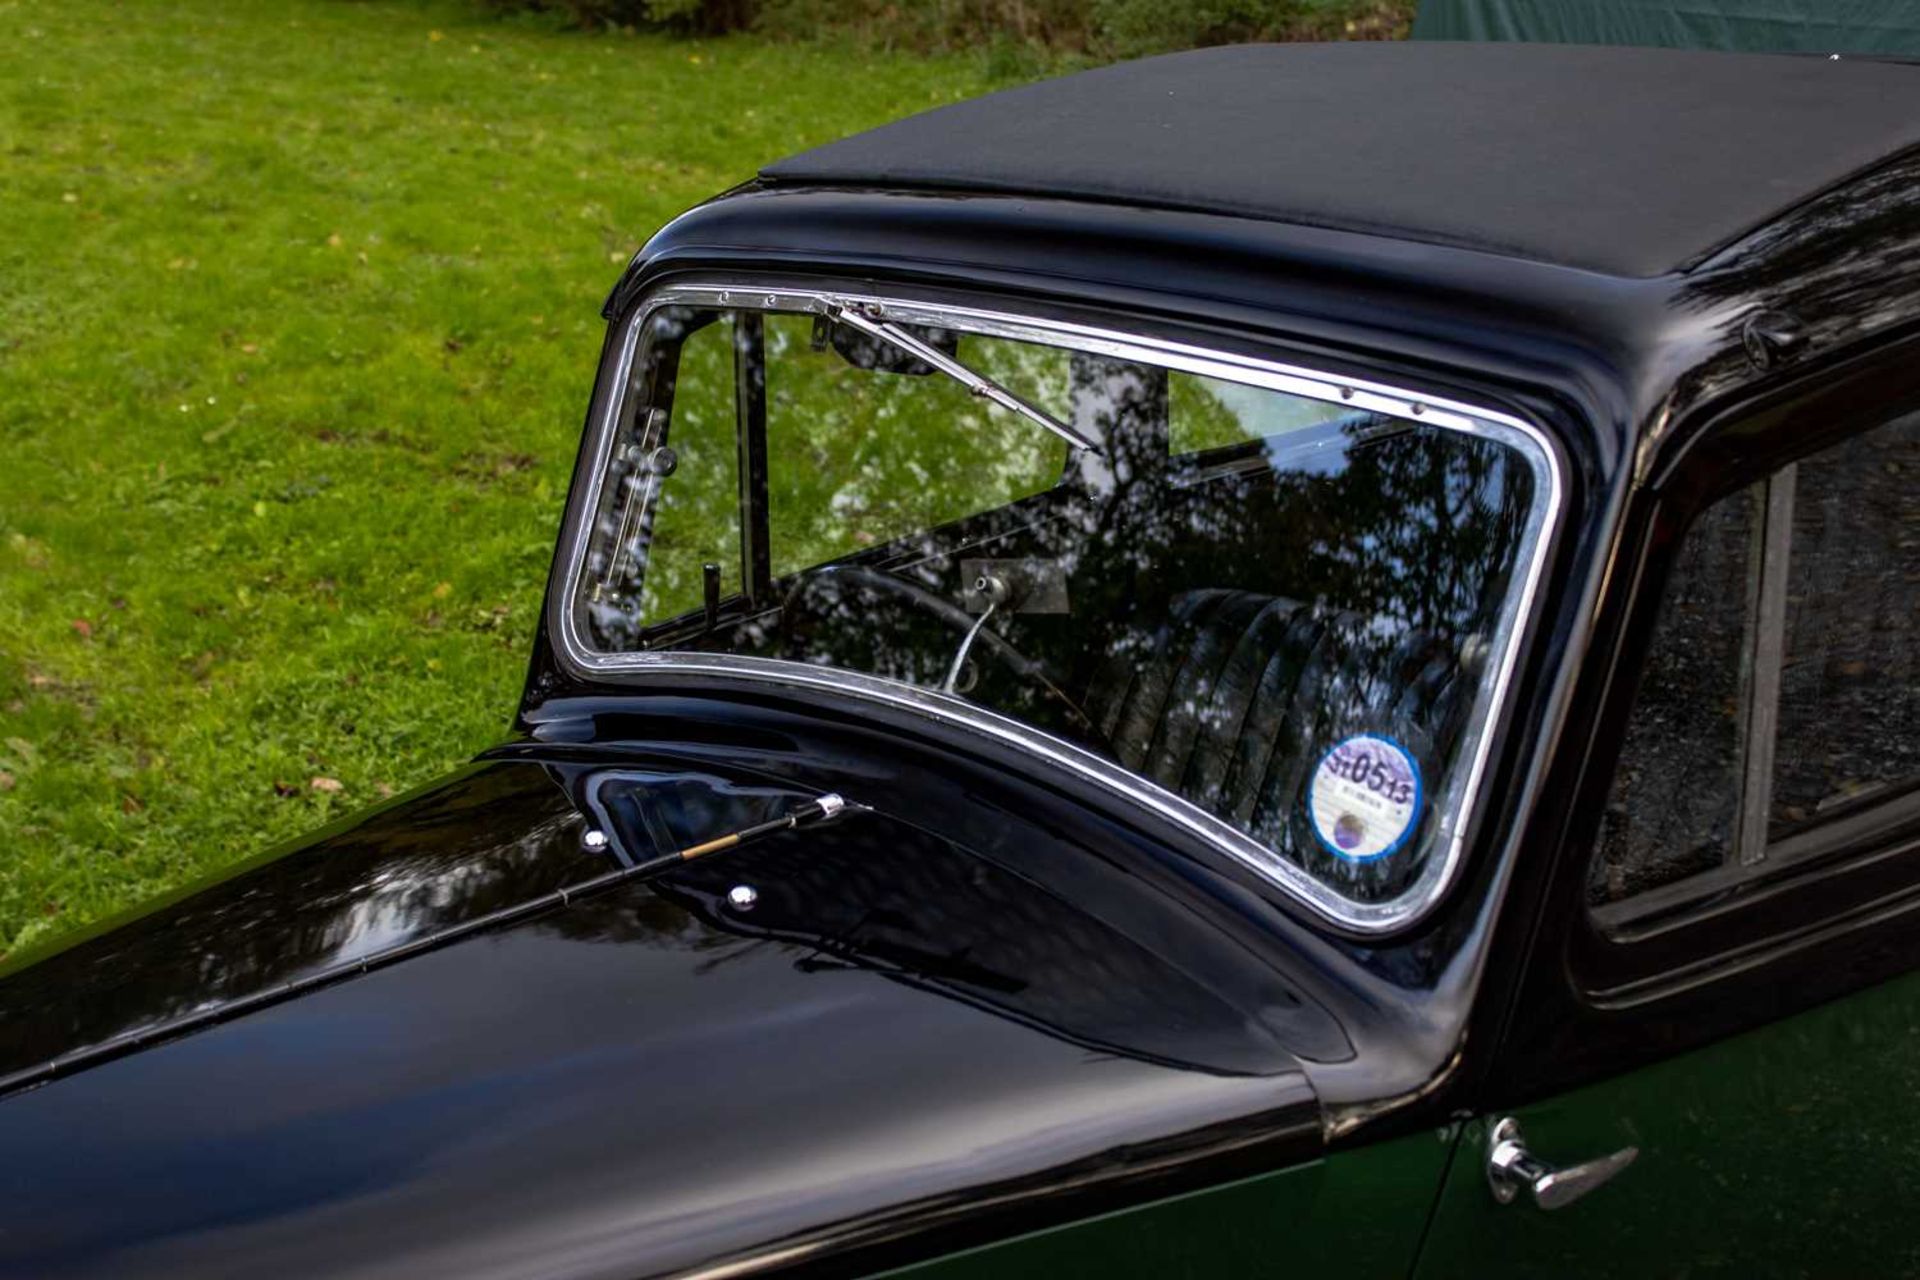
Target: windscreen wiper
980,385
819,809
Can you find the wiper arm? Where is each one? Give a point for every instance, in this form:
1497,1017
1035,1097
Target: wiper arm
819,809
979,384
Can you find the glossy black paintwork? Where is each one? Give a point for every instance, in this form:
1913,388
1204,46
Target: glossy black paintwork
639,1081
1124,892
489,837
1835,919
1844,266
1147,878
874,1068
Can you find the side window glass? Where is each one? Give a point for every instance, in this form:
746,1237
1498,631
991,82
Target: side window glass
669,500
697,521
1782,685
1676,795
1849,719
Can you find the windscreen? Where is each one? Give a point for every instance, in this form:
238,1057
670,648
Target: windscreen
1285,609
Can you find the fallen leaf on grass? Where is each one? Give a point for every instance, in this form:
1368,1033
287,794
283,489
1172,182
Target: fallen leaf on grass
7,781
332,786
83,628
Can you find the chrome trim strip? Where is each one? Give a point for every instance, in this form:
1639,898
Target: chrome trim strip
1453,810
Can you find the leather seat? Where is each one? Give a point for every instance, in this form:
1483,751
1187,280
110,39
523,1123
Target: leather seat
1237,695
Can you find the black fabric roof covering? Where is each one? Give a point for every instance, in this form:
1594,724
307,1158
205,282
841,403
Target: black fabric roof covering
1629,161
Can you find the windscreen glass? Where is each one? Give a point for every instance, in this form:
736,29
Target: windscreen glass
1283,609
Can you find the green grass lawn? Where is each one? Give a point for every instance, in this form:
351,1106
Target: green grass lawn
298,317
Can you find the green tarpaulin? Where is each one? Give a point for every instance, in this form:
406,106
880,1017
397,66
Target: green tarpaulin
1754,26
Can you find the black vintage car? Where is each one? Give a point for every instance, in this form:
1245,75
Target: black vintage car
1276,661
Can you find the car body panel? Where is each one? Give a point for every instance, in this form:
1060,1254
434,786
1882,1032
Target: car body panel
1786,1151
483,838
1365,1213
633,1083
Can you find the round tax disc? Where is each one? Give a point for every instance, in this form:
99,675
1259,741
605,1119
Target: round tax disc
1365,796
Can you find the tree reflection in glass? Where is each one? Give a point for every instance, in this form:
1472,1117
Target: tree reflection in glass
1242,594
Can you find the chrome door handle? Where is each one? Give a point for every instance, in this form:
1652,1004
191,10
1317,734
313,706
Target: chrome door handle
1511,1167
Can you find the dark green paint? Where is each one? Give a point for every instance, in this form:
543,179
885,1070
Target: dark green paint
1357,1215
1787,1151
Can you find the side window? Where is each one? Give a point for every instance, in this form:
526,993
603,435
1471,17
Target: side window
1676,794
1849,712
697,521
1783,678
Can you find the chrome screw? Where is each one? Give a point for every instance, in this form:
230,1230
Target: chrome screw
742,897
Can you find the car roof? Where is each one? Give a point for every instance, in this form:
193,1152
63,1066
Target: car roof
1630,162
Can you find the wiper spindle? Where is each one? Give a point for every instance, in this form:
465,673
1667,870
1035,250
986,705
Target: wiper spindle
979,384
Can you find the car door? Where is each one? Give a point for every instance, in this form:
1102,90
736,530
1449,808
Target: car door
1716,1043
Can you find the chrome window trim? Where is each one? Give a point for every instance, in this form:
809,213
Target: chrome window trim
1453,812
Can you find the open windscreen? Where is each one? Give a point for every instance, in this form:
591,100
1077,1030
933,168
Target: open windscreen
1268,597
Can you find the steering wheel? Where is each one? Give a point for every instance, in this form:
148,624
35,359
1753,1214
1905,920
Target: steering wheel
960,620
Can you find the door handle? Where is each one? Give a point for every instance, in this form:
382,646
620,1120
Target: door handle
1511,1167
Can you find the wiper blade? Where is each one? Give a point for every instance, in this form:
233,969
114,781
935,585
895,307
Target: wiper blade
979,384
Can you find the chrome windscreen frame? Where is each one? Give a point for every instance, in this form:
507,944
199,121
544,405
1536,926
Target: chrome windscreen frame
1453,809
